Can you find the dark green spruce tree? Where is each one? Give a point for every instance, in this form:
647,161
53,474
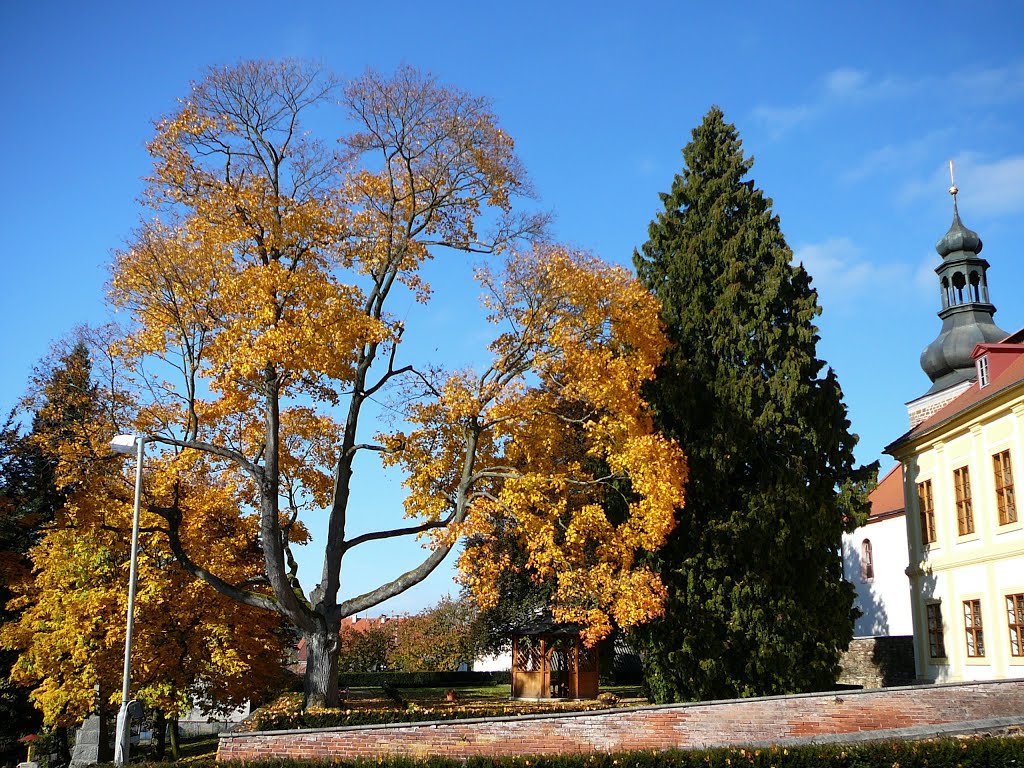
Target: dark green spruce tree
757,604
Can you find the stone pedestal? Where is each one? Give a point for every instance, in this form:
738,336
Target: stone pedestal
87,743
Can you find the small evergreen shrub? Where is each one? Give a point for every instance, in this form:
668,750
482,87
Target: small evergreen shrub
392,692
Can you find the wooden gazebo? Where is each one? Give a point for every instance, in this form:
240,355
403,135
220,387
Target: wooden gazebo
549,661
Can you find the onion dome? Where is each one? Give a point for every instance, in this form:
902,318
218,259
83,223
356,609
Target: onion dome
958,238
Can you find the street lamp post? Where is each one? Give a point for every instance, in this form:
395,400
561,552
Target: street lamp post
129,444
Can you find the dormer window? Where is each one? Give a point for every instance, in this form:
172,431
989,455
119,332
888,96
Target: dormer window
982,371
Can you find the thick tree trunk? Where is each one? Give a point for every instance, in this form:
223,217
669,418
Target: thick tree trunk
175,739
321,682
160,732
106,752
63,748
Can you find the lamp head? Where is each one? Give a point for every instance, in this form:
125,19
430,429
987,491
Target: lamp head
123,444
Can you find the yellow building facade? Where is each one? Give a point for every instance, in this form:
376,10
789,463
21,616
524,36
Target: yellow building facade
963,466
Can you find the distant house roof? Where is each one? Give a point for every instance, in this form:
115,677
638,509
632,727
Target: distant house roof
366,623
1009,374
353,623
887,498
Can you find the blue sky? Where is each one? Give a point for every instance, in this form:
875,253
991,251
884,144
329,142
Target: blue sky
851,111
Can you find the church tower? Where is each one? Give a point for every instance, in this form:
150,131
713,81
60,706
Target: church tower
966,318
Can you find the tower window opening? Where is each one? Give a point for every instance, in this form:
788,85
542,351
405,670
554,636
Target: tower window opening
975,289
958,287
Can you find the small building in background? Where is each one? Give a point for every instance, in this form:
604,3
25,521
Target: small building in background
875,562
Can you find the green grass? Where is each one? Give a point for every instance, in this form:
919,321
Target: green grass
427,696
198,748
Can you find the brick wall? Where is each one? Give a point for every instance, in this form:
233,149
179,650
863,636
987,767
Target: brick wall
742,721
917,415
876,662
925,407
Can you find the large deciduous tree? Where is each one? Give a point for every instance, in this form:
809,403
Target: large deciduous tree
758,604
259,291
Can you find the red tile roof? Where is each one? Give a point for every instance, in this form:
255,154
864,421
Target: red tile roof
357,624
887,498
1010,376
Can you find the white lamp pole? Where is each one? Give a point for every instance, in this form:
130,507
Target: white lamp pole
129,444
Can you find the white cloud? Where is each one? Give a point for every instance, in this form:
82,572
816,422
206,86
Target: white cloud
846,279
993,85
993,187
881,159
779,120
848,85
896,158
845,81
839,86
997,187
924,278
833,263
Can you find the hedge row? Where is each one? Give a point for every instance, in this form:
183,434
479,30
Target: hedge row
276,717
941,753
421,679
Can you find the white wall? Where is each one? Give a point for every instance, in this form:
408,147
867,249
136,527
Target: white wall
884,601
500,663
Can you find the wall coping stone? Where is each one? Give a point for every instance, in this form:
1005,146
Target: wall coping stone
837,694
912,733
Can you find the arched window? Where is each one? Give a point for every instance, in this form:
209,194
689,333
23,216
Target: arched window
958,287
867,565
975,289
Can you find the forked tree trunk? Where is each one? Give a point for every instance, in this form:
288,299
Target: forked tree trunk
321,681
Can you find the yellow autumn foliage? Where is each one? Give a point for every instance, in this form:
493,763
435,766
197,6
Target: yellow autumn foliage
191,645
558,421
258,295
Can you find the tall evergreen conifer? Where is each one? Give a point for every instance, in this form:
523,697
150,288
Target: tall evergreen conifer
758,604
